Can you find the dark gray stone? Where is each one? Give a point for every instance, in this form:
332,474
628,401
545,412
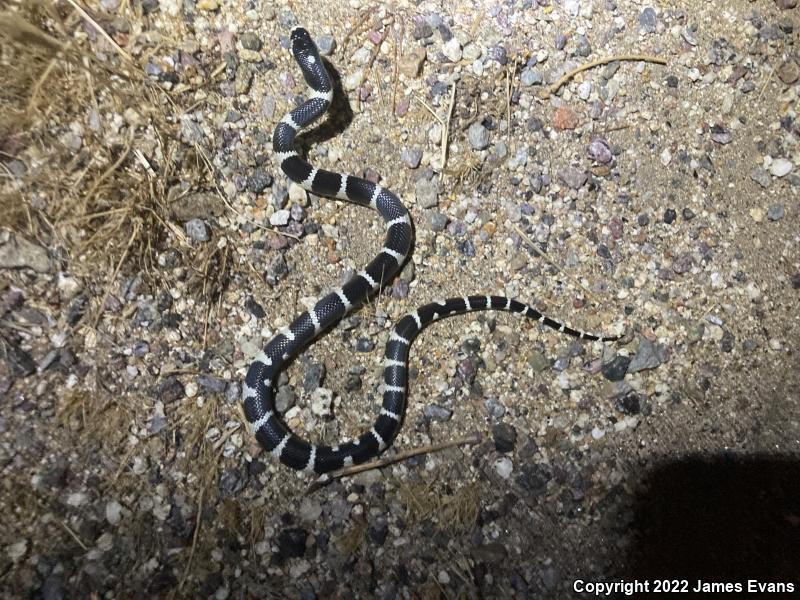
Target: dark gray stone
615,369
505,437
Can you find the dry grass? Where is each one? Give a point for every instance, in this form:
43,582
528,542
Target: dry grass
105,204
455,513
353,539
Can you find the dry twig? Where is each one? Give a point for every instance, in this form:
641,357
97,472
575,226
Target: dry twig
543,254
325,479
600,61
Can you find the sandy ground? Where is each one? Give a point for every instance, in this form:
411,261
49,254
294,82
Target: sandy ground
151,245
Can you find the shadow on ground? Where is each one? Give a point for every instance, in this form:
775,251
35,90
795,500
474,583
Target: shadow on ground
719,519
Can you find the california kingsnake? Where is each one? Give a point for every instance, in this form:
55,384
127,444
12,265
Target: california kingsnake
258,398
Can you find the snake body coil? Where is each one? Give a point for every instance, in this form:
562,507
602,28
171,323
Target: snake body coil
258,392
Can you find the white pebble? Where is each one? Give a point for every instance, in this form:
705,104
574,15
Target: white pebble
113,512
77,499
105,542
353,80
321,401
504,466
781,167
452,50
297,193
279,217
17,550
68,286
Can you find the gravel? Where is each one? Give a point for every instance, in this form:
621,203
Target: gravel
650,201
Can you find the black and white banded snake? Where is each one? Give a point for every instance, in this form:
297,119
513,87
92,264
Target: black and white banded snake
258,388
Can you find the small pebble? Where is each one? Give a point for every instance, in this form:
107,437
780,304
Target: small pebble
478,136
573,177
781,167
565,119
530,77
503,467
411,157
600,151
436,412
761,177
285,399
113,512
775,212
297,194
314,375
321,402
212,384
452,50
326,44
647,20
505,437
259,180
250,41
427,193
365,345
582,46
616,369
721,135
197,230
279,218
648,356
436,220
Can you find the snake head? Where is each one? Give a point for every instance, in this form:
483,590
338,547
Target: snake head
306,54
301,41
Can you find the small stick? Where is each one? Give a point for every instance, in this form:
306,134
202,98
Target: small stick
325,479
74,535
197,524
101,31
375,52
600,61
543,254
446,132
445,123
398,50
509,82
145,163
430,110
40,82
615,128
766,82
